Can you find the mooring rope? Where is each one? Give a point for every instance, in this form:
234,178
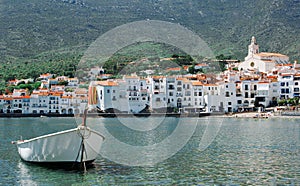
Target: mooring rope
82,146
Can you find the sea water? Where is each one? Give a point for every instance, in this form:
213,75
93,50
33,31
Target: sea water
228,151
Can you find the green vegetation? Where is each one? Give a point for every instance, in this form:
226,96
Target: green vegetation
31,28
291,102
29,86
51,36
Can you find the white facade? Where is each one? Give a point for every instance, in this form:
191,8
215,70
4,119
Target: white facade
267,92
264,61
286,83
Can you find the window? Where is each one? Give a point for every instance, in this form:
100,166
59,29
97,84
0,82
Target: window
296,83
239,101
108,91
229,103
282,84
227,94
246,87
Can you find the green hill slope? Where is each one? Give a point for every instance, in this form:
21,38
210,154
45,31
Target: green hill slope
33,28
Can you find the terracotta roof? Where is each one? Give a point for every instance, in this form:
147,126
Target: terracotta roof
67,97
107,83
131,77
202,65
180,78
211,85
157,77
58,94
269,54
185,67
268,61
287,65
197,83
263,82
174,69
272,77
43,94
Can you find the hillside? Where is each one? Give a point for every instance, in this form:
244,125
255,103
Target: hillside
35,31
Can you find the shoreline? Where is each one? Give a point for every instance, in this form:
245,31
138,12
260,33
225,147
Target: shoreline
267,116
254,115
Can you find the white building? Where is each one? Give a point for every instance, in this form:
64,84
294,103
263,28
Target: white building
158,94
264,61
286,83
267,93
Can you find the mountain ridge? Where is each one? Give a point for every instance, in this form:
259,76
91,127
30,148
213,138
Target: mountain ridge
31,28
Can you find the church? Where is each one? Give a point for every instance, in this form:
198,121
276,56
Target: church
261,61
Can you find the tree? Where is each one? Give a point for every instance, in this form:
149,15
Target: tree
20,83
191,69
282,102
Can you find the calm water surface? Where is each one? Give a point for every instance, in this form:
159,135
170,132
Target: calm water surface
244,152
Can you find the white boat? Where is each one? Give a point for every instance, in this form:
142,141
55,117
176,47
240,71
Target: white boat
80,145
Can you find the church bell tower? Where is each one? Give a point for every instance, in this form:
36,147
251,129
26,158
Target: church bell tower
253,48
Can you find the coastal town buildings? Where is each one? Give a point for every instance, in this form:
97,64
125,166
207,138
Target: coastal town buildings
260,81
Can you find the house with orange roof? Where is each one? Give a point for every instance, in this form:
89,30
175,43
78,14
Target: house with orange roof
46,76
201,66
13,82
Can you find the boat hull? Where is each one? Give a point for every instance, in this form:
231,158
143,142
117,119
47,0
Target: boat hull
70,146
